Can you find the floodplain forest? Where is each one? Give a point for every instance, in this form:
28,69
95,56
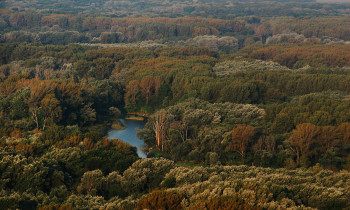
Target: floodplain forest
246,104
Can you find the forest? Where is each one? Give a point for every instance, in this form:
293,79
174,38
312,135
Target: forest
247,104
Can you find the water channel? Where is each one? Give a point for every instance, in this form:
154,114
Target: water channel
129,135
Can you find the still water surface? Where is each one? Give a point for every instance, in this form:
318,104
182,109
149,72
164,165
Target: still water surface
129,135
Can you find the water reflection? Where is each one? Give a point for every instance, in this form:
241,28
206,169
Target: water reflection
129,135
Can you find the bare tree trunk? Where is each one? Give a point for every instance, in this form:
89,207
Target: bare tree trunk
159,129
45,119
298,158
35,118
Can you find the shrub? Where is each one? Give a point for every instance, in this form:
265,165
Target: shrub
222,203
160,199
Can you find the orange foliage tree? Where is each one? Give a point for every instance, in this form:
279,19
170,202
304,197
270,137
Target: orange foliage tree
302,138
242,136
344,130
147,87
160,199
132,90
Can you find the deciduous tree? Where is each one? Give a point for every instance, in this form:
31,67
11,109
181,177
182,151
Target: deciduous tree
242,136
302,138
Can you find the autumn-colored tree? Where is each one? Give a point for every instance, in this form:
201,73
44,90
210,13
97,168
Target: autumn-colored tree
199,31
89,144
16,133
157,83
223,202
121,146
75,140
262,31
344,130
331,55
160,199
242,136
147,87
302,138
56,207
132,89
104,67
42,103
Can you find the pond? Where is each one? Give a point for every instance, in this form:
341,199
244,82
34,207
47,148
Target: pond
129,135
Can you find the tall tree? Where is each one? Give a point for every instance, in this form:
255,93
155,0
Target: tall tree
242,136
160,128
302,138
147,87
41,96
132,89
51,109
344,130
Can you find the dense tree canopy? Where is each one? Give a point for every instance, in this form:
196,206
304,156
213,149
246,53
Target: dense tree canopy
246,104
